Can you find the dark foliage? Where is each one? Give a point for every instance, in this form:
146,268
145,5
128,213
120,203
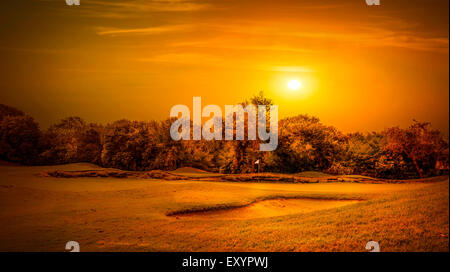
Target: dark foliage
304,144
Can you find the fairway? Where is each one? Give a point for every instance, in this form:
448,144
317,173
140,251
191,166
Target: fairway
111,214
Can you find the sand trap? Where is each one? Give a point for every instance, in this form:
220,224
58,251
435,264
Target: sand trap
269,208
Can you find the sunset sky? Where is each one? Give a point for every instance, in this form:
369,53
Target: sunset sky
361,68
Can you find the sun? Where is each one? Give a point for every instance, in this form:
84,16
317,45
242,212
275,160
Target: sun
294,84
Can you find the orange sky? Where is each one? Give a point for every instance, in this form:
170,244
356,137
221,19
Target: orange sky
362,68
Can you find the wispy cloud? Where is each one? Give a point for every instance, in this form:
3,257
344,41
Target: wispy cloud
152,5
364,35
214,61
297,35
183,58
136,8
243,45
141,31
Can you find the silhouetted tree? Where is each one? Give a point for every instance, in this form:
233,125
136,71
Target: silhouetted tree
19,139
72,140
419,145
9,111
306,144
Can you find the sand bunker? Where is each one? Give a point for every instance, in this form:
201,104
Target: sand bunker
268,208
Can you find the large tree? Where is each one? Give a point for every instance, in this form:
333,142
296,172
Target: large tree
19,139
306,144
72,140
420,145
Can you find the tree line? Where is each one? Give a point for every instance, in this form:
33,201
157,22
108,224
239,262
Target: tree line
305,144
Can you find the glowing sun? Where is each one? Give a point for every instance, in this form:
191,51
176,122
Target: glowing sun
294,84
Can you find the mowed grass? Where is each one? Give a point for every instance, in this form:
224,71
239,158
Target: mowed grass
107,214
313,174
193,172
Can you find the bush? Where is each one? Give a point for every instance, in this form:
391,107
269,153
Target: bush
19,139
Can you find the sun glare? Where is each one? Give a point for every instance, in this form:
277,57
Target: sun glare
294,84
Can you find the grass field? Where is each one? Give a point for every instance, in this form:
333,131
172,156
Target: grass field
41,213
